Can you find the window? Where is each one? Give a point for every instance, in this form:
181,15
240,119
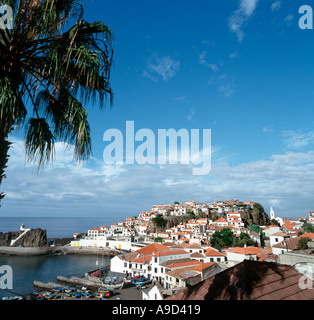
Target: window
162,270
218,259
155,270
125,264
156,260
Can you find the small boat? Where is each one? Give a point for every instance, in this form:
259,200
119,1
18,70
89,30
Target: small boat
128,280
115,286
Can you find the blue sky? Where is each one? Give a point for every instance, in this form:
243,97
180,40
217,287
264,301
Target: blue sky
242,68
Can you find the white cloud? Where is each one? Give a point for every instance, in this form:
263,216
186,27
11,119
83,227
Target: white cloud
275,6
296,140
241,16
288,19
163,68
191,114
268,128
224,83
203,61
284,180
233,55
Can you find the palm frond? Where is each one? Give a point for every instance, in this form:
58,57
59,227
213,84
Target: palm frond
57,61
39,141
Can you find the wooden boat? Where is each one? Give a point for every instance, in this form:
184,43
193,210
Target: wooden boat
114,285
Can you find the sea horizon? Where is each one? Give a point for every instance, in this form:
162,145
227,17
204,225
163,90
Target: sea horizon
57,227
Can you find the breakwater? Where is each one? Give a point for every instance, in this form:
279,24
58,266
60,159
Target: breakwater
37,251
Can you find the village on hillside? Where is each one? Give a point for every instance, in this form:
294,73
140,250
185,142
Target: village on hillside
207,240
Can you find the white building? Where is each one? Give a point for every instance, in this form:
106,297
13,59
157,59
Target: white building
277,237
237,255
153,294
311,217
268,231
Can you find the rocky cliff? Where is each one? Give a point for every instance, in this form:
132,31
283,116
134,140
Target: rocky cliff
256,215
33,238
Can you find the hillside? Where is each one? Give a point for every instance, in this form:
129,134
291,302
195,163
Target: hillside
255,215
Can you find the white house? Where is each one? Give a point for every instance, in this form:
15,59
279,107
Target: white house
221,222
152,294
238,254
311,217
213,255
277,237
272,229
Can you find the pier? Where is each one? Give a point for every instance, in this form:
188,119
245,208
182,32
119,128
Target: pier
36,251
79,281
44,285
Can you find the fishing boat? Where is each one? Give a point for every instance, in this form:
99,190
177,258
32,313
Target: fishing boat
114,285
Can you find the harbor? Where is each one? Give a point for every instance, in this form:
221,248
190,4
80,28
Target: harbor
99,284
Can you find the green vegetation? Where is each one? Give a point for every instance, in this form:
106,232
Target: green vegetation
302,244
307,227
226,238
50,59
255,228
159,222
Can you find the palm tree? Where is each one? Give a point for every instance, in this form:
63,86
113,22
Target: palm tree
52,62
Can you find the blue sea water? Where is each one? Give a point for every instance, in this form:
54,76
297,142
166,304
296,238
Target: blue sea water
47,268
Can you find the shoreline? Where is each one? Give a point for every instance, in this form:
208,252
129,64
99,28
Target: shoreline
36,251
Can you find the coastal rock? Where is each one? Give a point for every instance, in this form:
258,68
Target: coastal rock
32,238
5,238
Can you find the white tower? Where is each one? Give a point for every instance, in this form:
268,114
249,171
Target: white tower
272,213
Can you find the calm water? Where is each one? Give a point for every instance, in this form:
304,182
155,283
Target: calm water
47,268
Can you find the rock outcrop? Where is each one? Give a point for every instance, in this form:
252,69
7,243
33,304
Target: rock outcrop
256,215
32,238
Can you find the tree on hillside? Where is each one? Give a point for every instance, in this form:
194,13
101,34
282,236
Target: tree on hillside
53,63
223,238
159,222
303,243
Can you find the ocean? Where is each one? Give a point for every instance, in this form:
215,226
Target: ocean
57,227
47,268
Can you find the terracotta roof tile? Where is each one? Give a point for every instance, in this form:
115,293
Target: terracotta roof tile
249,280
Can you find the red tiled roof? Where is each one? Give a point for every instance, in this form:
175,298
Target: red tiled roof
154,247
309,235
169,252
248,250
183,264
210,252
249,280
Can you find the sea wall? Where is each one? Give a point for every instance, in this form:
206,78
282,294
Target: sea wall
36,251
25,251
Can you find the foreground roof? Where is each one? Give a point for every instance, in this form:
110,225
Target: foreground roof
249,280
